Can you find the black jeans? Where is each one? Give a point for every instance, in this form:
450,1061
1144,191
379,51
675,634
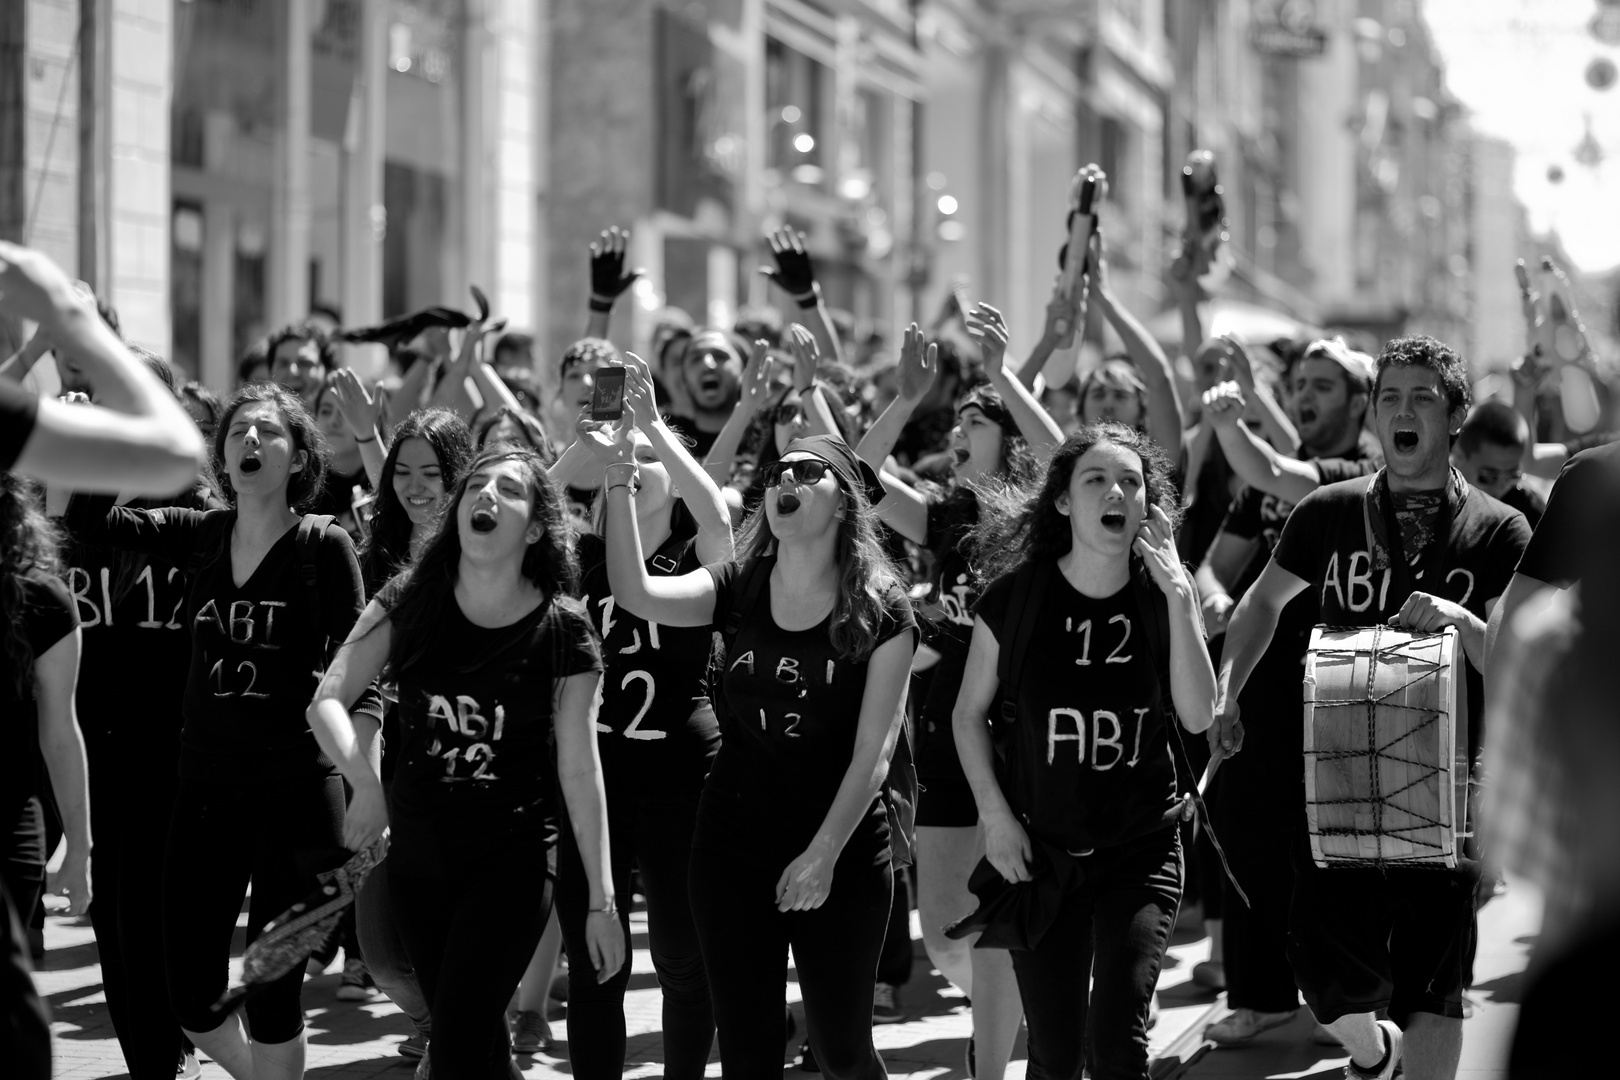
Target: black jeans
130,811
23,856
835,951
1110,933
221,837
650,826
470,908
1259,812
894,963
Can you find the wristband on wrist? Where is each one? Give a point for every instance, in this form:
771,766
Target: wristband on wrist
368,438
602,304
626,485
610,909
808,300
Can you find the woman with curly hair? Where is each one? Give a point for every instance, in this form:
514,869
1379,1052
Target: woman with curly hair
494,661
269,596
1080,777
38,666
792,845
1000,436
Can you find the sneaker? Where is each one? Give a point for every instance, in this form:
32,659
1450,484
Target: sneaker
884,1008
1244,1024
355,983
807,1058
316,966
1210,974
188,1069
414,1047
531,1034
1392,1057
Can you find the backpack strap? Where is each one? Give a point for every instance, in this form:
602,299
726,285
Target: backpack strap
1031,582
213,544
1155,609
310,531
751,578
667,559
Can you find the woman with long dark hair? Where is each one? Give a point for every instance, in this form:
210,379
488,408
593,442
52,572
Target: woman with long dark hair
427,457
793,843
493,659
1083,778
39,660
269,596
1001,436
658,735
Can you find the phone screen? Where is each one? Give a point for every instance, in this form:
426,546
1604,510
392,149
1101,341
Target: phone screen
607,397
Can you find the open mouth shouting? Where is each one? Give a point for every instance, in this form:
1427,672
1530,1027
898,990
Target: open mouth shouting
710,382
1307,414
250,465
1113,521
1405,440
483,520
787,503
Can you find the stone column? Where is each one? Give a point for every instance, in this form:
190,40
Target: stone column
364,221
142,81
287,274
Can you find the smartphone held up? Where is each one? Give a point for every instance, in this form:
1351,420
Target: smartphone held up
607,394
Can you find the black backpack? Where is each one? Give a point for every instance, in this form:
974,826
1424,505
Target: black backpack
1031,583
899,787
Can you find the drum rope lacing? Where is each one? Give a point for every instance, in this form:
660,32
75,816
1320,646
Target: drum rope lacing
1425,668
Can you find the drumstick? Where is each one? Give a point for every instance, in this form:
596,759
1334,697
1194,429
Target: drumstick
1215,759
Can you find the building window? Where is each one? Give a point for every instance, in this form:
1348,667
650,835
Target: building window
185,286
797,109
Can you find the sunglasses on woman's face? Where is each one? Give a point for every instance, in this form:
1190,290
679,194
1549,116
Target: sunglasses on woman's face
803,471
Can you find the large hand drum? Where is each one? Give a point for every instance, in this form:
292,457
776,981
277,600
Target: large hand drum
1386,747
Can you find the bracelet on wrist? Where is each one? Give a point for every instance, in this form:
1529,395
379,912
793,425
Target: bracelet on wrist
808,300
601,303
628,485
368,438
609,909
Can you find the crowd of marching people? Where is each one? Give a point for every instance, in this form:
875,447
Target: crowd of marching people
782,638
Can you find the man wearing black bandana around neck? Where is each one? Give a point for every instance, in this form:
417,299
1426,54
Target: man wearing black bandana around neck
1412,546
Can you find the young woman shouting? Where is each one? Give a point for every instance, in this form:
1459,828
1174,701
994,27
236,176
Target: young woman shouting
792,842
1085,771
492,659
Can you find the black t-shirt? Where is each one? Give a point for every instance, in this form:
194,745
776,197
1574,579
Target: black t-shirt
1274,687
1325,544
655,716
792,707
700,441
949,630
475,718
1089,761
18,410
337,498
1526,502
1581,521
131,610
257,650
46,616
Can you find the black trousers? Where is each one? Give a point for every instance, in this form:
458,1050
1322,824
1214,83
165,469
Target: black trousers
1259,813
894,963
470,908
23,855
25,1024
650,828
1091,977
222,836
130,812
835,951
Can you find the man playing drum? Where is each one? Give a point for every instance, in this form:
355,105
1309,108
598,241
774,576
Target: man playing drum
1412,546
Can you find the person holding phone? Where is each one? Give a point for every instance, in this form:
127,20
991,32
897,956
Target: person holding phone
658,735
793,839
494,660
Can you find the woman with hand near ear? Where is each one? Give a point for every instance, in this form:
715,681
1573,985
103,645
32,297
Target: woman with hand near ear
657,733
259,801
792,843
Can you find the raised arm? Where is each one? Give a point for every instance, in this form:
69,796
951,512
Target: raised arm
362,412
1035,424
56,673
1227,557
609,280
412,389
171,532
1263,408
350,741
21,362
136,438
1166,418
808,880
699,492
755,392
687,600
1256,462
579,774
919,366
1062,311
1006,844
795,276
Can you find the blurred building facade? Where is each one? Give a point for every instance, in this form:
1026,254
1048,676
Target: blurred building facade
219,167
